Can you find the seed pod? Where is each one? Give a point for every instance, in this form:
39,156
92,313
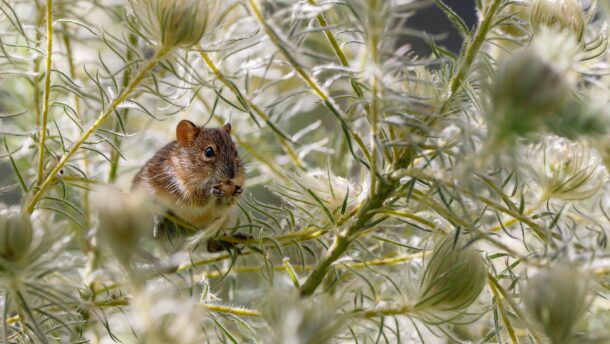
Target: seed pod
559,14
564,169
555,299
454,277
15,234
525,91
291,319
123,218
174,23
333,191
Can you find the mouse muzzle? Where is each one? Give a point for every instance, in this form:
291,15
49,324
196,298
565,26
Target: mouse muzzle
226,188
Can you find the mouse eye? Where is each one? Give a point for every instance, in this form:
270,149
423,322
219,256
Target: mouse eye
209,152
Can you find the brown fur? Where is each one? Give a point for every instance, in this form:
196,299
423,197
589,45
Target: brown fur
182,177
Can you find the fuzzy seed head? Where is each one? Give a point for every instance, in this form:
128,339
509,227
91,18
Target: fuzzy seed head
559,14
566,170
526,90
294,320
555,299
15,234
330,189
123,218
454,277
159,315
175,23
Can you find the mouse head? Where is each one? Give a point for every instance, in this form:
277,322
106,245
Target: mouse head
209,160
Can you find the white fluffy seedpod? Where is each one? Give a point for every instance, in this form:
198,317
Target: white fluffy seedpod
555,299
15,234
333,191
159,315
527,90
423,85
454,277
295,320
123,218
561,14
175,23
564,169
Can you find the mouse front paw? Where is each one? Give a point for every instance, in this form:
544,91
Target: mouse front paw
217,192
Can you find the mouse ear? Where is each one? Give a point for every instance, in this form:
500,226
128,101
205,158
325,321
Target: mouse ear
186,132
227,128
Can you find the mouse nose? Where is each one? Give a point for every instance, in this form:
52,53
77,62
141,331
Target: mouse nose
229,188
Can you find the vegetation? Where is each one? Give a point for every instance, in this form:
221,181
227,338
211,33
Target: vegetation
391,196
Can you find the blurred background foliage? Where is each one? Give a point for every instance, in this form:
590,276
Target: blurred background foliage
418,171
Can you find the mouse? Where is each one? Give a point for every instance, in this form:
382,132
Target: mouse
198,177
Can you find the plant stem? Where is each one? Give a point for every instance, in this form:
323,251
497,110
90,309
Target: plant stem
473,47
374,108
47,90
36,89
337,49
525,213
115,103
338,247
512,304
287,147
386,312
471,51
210,307
331,38
114,155
342,241
309,80
507,324
299,268
77,110
231,310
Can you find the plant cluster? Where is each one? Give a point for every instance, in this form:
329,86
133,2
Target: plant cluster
391,196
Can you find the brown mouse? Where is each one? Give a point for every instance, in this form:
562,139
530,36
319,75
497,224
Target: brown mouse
198,177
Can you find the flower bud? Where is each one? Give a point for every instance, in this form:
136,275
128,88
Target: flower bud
123,218
174,23
454,277
555,299
160,314
333,191
292,319
15,234
559,14
526,91
566,170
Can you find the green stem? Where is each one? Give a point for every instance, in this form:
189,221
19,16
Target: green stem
36,90
300,268
342,241
210,307
331,38
471,52
337,49
114,155
505,319
339,246
77,110
374,108
309,80
47,90
386,312
474,46
516,309
120,99
231,310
